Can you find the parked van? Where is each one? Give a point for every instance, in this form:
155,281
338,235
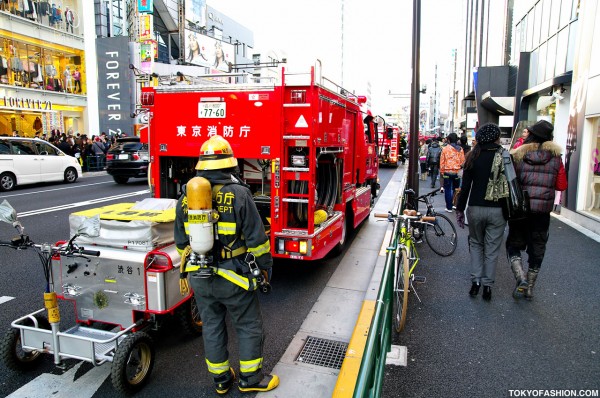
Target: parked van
31,160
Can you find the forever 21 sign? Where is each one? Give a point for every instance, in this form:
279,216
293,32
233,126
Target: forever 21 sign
27,103
114,91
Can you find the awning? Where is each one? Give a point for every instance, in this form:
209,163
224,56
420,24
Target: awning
470,97
498,105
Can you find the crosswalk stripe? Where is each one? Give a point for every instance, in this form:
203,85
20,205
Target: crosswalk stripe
4,299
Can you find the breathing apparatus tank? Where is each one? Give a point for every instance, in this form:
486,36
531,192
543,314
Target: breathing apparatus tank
200,217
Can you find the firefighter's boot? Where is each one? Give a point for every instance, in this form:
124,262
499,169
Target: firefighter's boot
532,275
268,383
224,381
517,268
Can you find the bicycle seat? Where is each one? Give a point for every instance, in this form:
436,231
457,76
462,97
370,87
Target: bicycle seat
410,213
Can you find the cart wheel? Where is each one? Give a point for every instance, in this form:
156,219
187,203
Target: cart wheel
189,319
11,351
132,363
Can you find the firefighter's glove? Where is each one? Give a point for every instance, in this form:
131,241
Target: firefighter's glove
184,285
264,284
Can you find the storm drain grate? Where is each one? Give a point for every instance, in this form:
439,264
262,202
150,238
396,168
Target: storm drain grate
322,352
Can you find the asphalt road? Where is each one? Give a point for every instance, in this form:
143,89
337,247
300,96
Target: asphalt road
179,369
460,346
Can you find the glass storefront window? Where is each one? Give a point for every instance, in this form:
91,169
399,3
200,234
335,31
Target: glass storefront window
42,68
63,15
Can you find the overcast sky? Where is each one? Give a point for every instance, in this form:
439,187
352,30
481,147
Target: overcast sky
376,39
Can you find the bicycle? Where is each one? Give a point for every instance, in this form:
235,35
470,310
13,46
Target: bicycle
440,235
406,260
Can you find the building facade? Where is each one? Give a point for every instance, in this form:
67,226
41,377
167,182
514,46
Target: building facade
43,73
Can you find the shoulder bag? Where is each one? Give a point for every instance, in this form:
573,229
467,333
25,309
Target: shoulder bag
517,203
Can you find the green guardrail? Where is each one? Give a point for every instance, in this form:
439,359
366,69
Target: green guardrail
370,375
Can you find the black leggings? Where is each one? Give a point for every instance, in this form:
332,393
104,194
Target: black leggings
529,234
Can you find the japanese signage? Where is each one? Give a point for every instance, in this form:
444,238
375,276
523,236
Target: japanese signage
114,89
144,5
146,22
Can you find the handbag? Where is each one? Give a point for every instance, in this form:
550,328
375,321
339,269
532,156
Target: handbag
517,203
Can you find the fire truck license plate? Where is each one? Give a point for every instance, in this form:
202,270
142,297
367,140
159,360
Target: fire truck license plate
215,110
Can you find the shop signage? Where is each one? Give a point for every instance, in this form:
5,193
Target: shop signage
145,5
27,103
146,22
114,91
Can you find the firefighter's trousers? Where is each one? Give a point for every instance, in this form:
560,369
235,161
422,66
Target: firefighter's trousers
215,297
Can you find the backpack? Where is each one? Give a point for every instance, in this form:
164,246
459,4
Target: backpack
433,156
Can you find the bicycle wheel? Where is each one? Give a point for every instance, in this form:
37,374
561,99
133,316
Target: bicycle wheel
401,286
441,236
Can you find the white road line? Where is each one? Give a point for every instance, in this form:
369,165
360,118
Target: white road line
65,385
80,204
4,299
55,189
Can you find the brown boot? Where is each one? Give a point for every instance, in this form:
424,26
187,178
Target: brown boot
532,275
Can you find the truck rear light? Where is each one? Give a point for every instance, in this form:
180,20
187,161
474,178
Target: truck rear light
293,246
158,261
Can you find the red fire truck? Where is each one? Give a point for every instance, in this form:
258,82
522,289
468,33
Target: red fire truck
303,145
389,145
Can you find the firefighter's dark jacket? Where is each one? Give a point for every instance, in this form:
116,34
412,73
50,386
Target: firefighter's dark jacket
239,222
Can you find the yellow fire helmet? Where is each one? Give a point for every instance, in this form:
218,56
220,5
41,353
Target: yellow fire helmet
216,154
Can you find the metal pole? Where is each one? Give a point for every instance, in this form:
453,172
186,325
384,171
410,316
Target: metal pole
413,172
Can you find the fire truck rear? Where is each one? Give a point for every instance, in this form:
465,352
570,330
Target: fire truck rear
302,146
389,145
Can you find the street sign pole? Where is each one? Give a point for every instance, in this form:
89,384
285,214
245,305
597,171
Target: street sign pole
413,159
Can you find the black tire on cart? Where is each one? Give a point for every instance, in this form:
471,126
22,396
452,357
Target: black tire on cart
132,363
11,351
189,319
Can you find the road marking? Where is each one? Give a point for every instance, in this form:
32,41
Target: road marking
4,299
80,204
49,385
55,189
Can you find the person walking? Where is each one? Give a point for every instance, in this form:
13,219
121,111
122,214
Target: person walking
240,242
481,180
541,173
423,159
521,139
451,162
465,144
433,160
403,145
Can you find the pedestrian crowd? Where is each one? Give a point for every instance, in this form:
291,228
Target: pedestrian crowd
473,180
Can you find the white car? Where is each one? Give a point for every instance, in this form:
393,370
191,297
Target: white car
31,160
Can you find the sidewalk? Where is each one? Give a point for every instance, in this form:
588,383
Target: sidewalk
333,317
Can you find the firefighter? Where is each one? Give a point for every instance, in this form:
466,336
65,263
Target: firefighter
241,245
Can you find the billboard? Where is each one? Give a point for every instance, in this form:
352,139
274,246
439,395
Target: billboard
114,90
206,51
195,12
145,6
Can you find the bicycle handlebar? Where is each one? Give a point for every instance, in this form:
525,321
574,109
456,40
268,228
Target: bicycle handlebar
95,253
381,215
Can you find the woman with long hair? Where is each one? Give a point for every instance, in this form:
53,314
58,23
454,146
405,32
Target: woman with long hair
194,56
481,180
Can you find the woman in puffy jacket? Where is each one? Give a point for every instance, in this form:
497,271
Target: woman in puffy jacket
541,173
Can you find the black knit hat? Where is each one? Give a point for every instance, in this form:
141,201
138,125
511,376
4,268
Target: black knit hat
489,132
542,129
